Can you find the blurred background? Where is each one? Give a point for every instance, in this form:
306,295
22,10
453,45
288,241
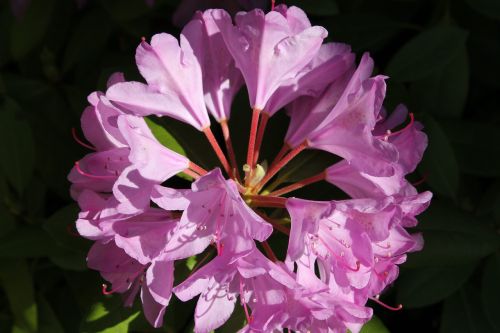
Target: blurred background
443,60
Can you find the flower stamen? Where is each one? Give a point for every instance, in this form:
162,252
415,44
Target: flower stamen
79,141
379,302
83,173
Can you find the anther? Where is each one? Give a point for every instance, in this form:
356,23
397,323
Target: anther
389,133
105,291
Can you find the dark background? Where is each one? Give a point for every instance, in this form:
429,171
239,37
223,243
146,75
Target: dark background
443,59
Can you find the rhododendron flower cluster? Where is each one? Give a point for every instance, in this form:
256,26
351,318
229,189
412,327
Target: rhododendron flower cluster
341,254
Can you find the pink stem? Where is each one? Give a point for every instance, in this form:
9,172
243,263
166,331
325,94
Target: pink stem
299,184
218,151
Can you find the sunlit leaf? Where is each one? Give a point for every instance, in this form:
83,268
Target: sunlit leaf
375,325
17,283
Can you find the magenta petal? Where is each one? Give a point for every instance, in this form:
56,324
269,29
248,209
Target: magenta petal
305,217
170,198
331,61
173,70
268,41
160,280
221,78
153,160
153,311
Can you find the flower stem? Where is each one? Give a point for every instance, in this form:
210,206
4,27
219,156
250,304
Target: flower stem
314,179
278,166
251,142
269,251
218,151
230,150
260,136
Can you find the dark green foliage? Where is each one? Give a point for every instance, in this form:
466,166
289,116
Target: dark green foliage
443,61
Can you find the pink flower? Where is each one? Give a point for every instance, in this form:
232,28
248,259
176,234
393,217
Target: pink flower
269,49
221,78
341,253
174,78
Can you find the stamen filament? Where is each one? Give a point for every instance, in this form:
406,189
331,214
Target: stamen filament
273,3
265,199
198,264
218,151
376,300
284,161
260,136
83,173
299,184
230,150
341,260
196,168
276,225
412,120
251,143
242,300
191,173
269,251
280,155
79,141
422,180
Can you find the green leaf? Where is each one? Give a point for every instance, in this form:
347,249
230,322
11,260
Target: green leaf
473,142
191,262
444,93
18,286
109,317
490,8
123,11
365,31
462,313
452,238
440,161
375,325
61,226
490,290
194,144
164,137
28,32
235,323
93,29
425,286
28,242
17,148
49,323
427,53
317,7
